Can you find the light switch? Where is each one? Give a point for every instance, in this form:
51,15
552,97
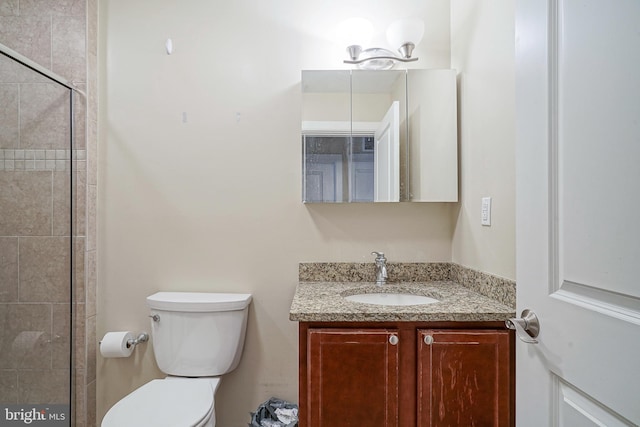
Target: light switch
486,211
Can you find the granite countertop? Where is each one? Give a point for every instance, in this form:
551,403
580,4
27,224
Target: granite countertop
325,302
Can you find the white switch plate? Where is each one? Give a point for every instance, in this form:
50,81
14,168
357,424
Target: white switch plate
485,218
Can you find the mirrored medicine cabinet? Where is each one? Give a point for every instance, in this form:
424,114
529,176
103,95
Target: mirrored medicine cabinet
379,136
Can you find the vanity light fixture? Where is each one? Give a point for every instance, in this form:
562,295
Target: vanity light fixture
404,33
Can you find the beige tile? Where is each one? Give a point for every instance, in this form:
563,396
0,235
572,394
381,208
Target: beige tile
61,202
44,269
61,330
25,203
92,153
44,116
25,333
80,325
53,7
69,47
9,269
79,416
9,7
91,404
80,118
44,386
8,386
79,264
29,36
92,200
80,203
91,274
13,72
9,124
60,357
92,344
92,27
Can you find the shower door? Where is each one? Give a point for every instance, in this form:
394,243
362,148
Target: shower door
37,245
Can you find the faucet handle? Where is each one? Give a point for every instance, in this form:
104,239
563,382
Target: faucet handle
379,256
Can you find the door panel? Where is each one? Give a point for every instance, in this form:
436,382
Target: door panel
387,157
362,178
578,182
323,179
598,146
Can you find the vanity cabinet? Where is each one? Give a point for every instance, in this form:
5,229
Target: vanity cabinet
406,374
463,378
353,377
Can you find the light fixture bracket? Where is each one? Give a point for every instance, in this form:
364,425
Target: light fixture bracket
405,33
406,50
354,51
377,58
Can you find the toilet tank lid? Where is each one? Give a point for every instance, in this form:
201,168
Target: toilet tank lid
198,301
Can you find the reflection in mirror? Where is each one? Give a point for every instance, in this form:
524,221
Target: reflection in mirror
353,154
326,133
329,174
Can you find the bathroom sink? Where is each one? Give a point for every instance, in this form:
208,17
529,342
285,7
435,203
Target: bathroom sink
381,298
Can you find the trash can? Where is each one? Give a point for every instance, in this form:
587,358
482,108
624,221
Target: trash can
275,413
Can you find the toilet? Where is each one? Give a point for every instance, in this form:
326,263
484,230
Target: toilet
197,337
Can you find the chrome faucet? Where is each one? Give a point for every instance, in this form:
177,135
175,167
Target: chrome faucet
381,268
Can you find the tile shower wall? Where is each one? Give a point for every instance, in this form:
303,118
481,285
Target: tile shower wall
35,168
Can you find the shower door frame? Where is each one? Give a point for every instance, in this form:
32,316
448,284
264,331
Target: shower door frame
35,67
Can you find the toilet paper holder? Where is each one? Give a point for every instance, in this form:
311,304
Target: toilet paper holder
142,337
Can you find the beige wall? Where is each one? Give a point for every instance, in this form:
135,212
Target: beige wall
482,50
213,204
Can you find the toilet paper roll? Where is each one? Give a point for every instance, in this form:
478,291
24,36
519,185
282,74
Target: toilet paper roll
28,341
114,344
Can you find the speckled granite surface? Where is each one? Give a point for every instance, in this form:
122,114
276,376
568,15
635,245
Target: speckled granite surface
325,302
365,272
320,293
494,287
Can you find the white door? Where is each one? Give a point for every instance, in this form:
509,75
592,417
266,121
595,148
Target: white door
323,179
362,178
387,157
578,211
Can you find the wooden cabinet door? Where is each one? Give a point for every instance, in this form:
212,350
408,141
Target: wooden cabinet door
464,378
352,378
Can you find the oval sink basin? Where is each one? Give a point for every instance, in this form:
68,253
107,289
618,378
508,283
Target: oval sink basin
391,299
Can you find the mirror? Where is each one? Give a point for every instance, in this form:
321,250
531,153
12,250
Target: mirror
433,136
360,131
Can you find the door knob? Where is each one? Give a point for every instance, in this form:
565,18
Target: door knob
527,327
393,340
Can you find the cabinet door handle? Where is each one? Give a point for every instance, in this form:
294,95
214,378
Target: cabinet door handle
393,340
428,339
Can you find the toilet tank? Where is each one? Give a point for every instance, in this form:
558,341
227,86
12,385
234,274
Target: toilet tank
198,334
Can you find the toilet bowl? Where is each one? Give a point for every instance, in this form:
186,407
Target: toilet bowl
174,401
196,338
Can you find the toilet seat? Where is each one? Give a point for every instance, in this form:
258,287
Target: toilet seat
166,403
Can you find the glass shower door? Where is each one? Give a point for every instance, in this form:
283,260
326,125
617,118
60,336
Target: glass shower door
37,247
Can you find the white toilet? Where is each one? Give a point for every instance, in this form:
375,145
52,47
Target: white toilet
196,338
